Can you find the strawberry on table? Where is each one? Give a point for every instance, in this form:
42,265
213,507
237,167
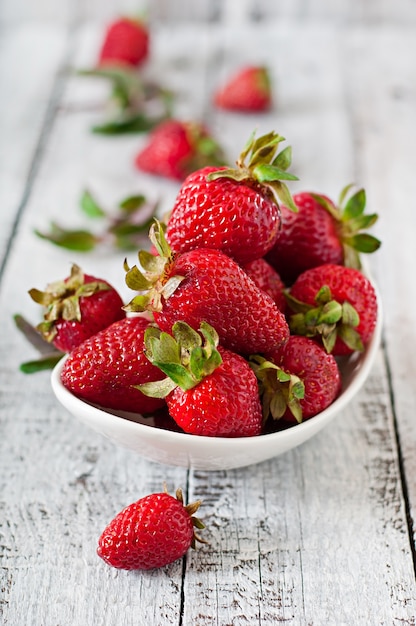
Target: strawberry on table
205,285
234,209
322,232
248,91
156,530
76,308
126,41
209,391
297,381
336,304
106,368
176,148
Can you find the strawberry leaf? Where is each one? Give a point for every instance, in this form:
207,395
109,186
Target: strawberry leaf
132,203
46,362
284,195
363,242
283,159
355,206
269,173
90,206
138,123
78,240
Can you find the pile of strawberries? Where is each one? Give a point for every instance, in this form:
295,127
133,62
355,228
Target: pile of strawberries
243,305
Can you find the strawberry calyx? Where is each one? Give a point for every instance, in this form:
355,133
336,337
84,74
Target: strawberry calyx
186,357
153,280
266,167
279,390
329,319
62,300
191,509
351,219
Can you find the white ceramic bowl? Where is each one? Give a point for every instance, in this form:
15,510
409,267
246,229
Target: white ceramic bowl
214,453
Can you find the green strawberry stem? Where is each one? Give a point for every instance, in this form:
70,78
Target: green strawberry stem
351,219
151,278
186,357
265,167
191,509
61,300
329,319
278,389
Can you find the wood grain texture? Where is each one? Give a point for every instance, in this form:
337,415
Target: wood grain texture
320,535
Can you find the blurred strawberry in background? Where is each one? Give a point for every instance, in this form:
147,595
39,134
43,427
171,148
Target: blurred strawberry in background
248,90
126,41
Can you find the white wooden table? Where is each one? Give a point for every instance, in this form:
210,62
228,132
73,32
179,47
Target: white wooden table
323,535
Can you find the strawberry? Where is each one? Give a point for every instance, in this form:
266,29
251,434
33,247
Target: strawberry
106,367
248,90
152,532
234,209
322,232
77,308
335,303
126,41
209,391
297,381
205,285
176,148
267,279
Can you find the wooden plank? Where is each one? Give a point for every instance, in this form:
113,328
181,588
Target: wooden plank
384,114
325,521
20,124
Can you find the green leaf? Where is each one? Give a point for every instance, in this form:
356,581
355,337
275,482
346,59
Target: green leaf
132,203
90,206
350,337
355,206
363,242
47,362
330,313
178,374
329,340
138,123
350,316
157,388
344,193
162,350
283,159
136,280
266,173
78,240
284,195
362,222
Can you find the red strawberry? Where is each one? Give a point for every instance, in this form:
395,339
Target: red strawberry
297,381
336,303
126,41
249,90
175,149
77,308
234,209
322,232
209,391
105,368
152,532
206,285
267,279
